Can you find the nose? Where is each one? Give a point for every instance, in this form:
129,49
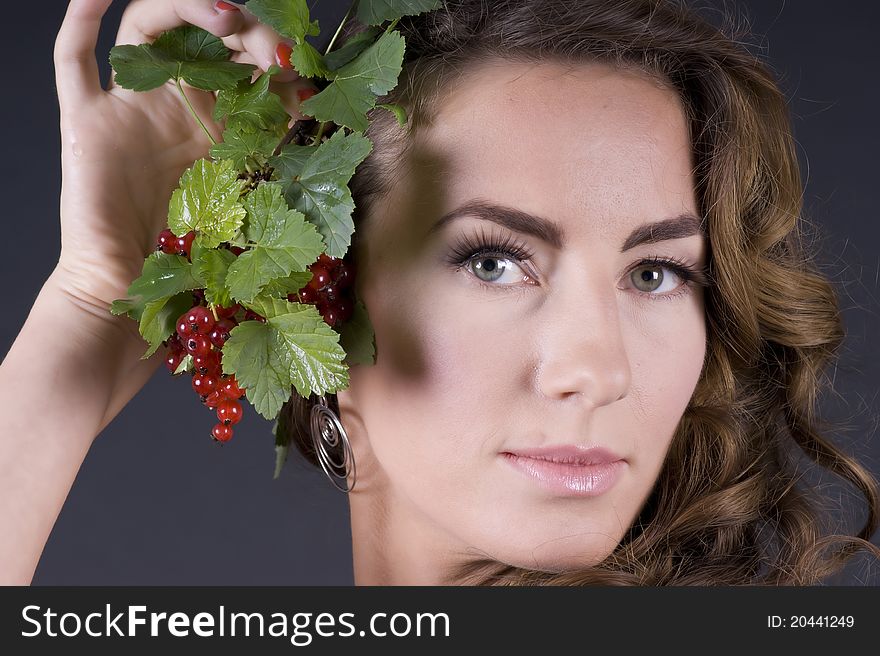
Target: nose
582,348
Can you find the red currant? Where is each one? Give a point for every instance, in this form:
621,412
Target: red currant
250,315
229,412
227,312
208,363
229,387
320,277
327,262
184,329
200,319
173,359
343,276
220,333
221,432
330,314
166,242
307,295
184,244
215,398
345,308
204,384
198,345
236,250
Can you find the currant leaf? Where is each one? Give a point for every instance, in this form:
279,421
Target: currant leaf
321,191
282,242
377,12
308,61
354,46
186,52
290,18
159,318
355,86
207,201
251,106
210,268
162,276
240,147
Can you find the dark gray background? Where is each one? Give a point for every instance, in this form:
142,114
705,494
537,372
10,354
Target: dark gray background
156,502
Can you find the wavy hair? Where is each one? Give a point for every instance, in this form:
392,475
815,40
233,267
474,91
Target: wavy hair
730,506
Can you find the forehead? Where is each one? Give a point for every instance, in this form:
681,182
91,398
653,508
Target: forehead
569,140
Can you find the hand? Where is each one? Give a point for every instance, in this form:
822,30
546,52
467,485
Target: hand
123,151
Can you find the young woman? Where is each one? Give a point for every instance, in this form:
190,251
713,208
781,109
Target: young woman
599,338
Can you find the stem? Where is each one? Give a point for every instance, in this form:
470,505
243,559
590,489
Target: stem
214,311
339,28
317,141
193,111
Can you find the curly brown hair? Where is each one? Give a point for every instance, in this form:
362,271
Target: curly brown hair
729,507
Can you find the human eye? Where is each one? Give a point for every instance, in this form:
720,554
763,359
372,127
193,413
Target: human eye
649,279
494,260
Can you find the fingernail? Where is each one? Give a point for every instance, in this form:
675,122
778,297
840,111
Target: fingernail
305,94
221,6
282,55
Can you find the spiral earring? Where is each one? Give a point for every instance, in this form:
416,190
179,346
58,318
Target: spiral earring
327,431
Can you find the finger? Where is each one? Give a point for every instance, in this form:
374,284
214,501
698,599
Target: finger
264,44
77,79
144,20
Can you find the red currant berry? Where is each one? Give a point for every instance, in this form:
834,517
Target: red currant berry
327,262
184,244
343,276
215,398
250,315
204,384
331,315
345,308
320,277
173,359
330,293
166,242
208,363
200,319
307,295
184,328
221,433
198,345
227,312
229,387
236,250
229,412
220,333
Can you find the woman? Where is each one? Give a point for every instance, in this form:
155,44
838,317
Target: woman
584,249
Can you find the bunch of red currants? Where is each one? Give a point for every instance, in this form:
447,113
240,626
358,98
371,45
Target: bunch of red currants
202,331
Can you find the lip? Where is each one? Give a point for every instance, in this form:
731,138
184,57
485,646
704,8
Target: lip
569,470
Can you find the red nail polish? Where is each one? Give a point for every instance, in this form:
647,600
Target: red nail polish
282,55
222,5
305,94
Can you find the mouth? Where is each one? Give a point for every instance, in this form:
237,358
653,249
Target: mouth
569,471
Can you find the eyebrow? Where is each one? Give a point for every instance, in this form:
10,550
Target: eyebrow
681,226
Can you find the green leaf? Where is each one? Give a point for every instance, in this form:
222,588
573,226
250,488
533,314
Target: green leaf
251,106
283,240
294,347
353,91
160,318
321,192
398,111
207,201
376,12
186,365
291,284
186,52
290,18
162,276
357,337
242,147
290,162
309,62
210,270
354,46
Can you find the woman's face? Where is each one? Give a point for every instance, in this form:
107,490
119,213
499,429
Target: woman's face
566,337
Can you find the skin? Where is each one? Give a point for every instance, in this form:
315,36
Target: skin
577,355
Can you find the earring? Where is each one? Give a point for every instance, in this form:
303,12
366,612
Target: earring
327,431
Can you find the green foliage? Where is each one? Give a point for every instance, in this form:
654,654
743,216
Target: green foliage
376,12
251,106
185,53
289,18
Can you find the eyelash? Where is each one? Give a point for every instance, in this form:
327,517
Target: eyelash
468,248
